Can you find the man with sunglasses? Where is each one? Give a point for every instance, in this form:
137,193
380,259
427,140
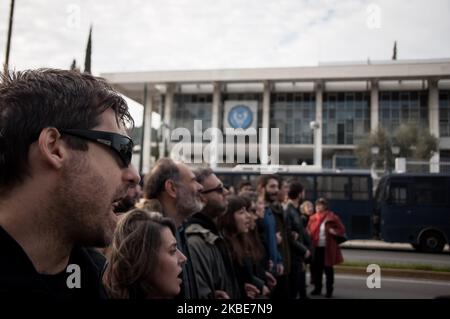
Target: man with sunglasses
214,268
65,162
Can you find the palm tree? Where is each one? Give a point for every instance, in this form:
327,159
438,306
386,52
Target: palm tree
8,41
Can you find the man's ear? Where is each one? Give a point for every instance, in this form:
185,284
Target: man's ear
171,188
53,151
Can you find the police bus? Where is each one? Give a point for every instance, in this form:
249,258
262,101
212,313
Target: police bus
415,209
349,193
405,208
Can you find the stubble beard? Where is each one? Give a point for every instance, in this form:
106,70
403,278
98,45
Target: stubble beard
81,207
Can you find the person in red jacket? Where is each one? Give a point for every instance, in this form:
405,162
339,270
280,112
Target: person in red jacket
325,228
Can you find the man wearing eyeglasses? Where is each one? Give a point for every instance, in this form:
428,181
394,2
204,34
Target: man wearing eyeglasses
65,162
214,268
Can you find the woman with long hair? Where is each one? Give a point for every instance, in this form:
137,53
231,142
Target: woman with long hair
143,261
255,206
235,225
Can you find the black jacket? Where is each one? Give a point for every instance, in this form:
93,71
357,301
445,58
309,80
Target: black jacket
19,278
209,253
295,224
189,285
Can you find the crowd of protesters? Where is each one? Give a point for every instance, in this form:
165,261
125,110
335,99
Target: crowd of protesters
69,195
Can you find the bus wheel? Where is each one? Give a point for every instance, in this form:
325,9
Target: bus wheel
432,242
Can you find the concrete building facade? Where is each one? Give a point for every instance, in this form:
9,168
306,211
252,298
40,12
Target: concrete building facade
344,101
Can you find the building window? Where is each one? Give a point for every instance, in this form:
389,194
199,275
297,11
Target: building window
292,114
190,107
444,113
403,107
346,117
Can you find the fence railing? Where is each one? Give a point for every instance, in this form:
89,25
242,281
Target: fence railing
414,166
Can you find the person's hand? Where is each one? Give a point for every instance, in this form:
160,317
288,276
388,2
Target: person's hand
280,269
294,235
270,266
307,254
251,291
279,238
271,281
220,294
332,231
265,291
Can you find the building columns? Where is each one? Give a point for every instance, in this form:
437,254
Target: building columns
166,123
216,100
318,127
264,137
433,117
374,106
146,149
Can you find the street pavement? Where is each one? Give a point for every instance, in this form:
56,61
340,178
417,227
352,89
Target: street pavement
355,287
378,244
396,257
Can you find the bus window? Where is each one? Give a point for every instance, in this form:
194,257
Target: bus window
360,188
307,183
398,193
430,191
333,187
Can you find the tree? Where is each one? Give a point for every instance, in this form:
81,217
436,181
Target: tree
379,139
416,142
394,54
87,57
411,141
8,40
73,66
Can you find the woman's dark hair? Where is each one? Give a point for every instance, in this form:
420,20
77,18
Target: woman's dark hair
294,190
237,242
134,254
226,222
252,238
322,201
250,196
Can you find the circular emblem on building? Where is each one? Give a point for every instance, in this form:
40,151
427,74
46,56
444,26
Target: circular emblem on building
240,116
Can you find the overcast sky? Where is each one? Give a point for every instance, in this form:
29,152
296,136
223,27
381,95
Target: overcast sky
135,35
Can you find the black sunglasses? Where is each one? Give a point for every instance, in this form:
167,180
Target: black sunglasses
121,144
220,189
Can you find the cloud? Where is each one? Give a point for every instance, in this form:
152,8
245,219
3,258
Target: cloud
139,35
